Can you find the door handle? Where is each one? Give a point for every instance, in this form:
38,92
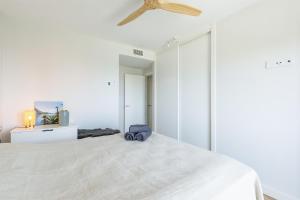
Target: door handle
127,106
47,130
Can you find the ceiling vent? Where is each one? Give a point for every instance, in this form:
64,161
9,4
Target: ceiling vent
138,52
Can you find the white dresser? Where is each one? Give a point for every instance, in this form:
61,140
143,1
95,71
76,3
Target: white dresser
44,134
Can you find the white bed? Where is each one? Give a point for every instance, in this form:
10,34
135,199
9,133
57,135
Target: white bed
110,168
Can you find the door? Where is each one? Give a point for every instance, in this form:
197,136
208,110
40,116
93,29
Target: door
194,92
149,100
135,100
167,93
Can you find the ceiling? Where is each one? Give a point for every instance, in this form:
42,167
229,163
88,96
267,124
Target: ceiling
99,18
134,62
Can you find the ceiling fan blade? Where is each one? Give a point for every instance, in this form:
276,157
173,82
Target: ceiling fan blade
133,15
180,8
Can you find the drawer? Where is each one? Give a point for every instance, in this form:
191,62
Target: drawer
46,135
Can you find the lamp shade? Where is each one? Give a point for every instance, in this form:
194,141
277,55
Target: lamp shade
29,119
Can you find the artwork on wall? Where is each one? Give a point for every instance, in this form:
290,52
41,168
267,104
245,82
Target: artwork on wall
47,112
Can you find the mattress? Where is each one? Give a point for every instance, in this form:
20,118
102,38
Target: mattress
110,168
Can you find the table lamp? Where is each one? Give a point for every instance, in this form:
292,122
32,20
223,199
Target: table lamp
29,119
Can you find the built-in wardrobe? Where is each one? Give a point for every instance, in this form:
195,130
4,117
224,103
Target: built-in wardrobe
183,91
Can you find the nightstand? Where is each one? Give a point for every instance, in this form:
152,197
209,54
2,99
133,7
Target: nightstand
44,134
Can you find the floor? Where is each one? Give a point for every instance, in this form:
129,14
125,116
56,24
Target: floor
268,198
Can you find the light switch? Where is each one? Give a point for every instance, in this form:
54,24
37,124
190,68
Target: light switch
109,83
279,63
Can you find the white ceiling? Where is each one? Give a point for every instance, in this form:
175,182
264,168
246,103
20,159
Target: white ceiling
130,61
99,18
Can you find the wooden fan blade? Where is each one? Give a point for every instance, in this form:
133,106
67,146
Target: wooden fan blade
133,15
180,8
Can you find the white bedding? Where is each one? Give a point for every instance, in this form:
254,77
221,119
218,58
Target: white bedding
110,168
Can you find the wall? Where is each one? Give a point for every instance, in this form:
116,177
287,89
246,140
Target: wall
1,95
1,71
258,110
1,84
47,64
148,71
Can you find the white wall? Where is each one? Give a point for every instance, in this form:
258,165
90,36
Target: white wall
1,85
1,73
148,71
46,64
167,93
258,110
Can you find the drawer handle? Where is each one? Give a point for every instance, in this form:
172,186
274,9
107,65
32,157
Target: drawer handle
47,130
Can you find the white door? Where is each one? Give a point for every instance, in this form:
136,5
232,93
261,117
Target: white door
194,90
167,93
135,100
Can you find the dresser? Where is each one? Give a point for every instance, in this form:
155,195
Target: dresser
44,134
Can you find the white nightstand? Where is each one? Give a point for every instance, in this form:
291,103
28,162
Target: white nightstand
44,134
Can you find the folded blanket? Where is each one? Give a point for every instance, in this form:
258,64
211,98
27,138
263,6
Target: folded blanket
84,133
105,132
130,136
138,128
143,136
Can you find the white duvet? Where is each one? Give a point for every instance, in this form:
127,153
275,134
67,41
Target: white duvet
110,168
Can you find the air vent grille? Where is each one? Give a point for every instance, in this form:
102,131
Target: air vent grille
138,52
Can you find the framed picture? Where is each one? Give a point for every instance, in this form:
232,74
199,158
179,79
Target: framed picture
47,112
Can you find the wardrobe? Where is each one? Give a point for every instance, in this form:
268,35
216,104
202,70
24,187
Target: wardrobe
183,91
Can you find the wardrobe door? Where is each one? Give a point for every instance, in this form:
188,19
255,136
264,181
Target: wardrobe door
167,93
194,92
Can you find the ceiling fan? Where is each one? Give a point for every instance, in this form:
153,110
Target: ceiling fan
164,5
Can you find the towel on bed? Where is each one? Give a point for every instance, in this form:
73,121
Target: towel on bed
138,128
138,132
141,137
129,136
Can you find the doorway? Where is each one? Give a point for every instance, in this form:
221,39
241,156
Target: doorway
149,99
135,100
136,92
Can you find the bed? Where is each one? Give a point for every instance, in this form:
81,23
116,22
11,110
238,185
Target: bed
110,168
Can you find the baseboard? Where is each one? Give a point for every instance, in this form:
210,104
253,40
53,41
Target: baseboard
277,194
